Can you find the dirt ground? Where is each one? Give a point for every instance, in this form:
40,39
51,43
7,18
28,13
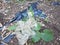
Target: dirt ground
54,22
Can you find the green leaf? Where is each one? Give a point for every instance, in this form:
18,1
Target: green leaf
13,27
37,26
48,31
36,37
25,19
46,20
47,35
30,10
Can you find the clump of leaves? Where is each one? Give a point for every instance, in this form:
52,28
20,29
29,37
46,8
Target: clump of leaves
46,35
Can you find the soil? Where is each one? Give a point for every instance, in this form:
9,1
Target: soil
54,24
